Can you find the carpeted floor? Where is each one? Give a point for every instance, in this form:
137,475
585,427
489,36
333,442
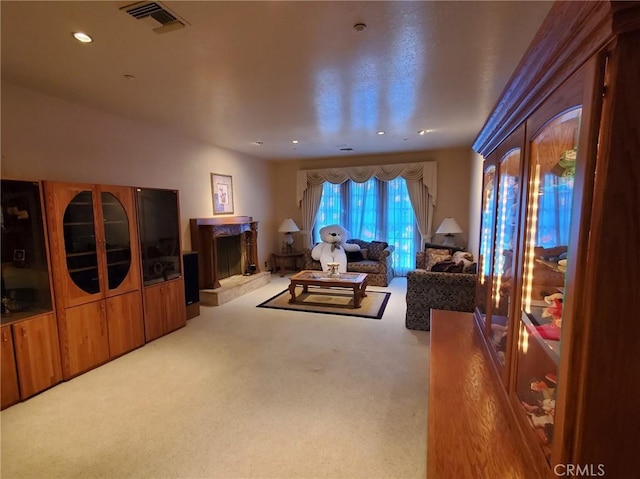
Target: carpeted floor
331,301
240,392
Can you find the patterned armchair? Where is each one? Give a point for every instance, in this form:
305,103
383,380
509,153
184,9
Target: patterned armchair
378,263
427,290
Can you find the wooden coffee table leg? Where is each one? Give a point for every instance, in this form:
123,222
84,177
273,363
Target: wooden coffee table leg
359,292
357,297
292,290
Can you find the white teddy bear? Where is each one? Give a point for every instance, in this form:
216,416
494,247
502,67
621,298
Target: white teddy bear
333,247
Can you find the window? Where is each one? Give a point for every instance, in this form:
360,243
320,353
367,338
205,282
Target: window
374,210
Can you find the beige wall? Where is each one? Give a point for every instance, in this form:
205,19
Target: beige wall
454,183
44,138
475,204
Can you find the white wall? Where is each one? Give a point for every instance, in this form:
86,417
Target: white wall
45,138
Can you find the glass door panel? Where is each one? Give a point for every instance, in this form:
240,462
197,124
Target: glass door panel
486,235
80,242
505,244
25,272
116,236
159,234
550,198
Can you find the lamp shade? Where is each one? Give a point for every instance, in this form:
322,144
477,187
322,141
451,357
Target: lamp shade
288,226
449,226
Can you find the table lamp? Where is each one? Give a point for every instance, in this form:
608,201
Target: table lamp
448,228
287,227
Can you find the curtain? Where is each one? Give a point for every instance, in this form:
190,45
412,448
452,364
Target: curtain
421,182
363,190
309,205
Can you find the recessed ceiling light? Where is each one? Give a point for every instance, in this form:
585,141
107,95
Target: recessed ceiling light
381,132
82,37
295,142
129,77
259,143
421,132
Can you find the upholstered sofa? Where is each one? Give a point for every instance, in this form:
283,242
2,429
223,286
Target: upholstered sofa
377,261
427,290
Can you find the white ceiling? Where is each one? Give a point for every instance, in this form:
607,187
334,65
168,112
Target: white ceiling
243,72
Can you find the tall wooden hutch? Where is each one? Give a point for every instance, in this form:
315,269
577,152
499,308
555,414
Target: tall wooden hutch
558,290
29,334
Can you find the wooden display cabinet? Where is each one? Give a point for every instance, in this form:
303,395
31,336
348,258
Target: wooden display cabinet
30,349
163,303
560,273
496,286
163,292
96,269
10,390
37,354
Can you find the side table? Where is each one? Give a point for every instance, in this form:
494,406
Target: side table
282,260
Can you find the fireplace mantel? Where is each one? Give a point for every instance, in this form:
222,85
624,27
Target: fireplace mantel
204,234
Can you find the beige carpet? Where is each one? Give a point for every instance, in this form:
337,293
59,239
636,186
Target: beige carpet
334,301
240,392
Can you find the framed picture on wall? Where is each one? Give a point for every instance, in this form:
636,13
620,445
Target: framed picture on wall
222,193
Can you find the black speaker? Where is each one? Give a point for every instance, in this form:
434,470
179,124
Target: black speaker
191,290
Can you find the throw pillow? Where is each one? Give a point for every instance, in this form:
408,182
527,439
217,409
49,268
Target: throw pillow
375,249
471,269
447,266
365,253
460,255
353,256
433,256
468,266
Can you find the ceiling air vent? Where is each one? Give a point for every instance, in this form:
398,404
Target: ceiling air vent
159,17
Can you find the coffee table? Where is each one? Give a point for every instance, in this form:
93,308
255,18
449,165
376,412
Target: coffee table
355,281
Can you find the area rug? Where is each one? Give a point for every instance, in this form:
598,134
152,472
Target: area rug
330,301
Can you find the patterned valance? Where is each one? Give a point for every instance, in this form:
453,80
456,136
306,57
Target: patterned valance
427,172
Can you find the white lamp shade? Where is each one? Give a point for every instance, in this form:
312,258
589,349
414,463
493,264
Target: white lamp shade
288,226
449,226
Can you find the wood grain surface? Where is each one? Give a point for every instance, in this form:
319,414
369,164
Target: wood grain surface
471,434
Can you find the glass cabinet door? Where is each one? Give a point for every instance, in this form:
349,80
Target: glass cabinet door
158,220
483,285
25,271
503,252
80,242
550,197
116,236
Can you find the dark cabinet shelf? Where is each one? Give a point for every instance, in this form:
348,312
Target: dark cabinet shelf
116,263
84,253
87,268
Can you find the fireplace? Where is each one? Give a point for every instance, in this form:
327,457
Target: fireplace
226,247
229,254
